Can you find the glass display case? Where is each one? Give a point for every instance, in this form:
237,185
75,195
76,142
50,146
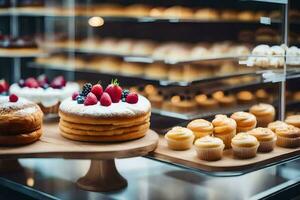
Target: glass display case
191,59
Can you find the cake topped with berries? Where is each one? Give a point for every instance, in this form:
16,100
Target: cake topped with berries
102,115
20,121
47,94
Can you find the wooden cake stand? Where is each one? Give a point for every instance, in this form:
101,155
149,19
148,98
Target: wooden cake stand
102,175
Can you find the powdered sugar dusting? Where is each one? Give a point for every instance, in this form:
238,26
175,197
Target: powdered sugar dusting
5,104
114,110
47,97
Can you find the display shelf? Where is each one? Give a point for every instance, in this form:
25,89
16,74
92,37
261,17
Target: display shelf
23,55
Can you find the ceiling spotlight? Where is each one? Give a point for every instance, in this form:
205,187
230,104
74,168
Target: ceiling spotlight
96,21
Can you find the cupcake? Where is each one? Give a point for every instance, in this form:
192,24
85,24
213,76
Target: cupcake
244,145
209,148
180,138
277,124
293,120
245,121
201,128
288,136
266,138
224,128
264,113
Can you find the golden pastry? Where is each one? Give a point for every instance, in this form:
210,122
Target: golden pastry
201,128
224,128
183,104
277,124
209,148
155,70
266,138
293,120
245,121
178,12
245,97
264,113
223,99
262,96
156,100
244,145
288,136
206,102
206,14
180,138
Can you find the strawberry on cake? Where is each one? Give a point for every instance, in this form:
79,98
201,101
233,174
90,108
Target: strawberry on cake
47,94
110,115
3,87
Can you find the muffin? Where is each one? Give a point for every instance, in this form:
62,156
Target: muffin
288,136
209,148
293,120
224,99
201,128
206,101
180,138
244,145
245,121
277,124
224,128
262,96
245,97
264,113
266,138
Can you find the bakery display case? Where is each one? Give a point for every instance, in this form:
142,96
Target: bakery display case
197,60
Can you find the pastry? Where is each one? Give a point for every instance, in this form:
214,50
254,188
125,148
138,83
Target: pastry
150,90
209,148
183,103
224,128
224,99
20,121
107,10
137,10
156,100
156,70
262,96
264,113
206,14
245,97
135,69
288,136
201,128
229,15
179,138
246,16
206,101
244,146
48,95
178,12
293,120
111,115
266,138
124,46
265,34
245,121
277,124
143,48
108,65
157,12
175,73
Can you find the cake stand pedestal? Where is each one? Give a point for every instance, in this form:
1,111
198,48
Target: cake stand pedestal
102,175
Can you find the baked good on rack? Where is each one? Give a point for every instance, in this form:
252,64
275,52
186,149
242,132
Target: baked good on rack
245,97
288,136
264,113
277,124
206,14
183,103
293,120
20,121
224,128
266,138
134,69
104,116
156,100
224,99
156,70
209,148
107,10
47,94
124,46
179,138
244,146
201,128
206,101
175,73
178,12
157,12
245,121
262,96
228,15
107,64
137,10
143,48
246,15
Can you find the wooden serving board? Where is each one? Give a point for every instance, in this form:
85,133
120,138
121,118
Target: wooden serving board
228,163
52,144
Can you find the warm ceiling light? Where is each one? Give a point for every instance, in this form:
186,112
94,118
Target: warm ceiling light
96,21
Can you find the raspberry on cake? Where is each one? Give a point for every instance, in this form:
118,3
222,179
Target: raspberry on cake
104,117
20,121
47,94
